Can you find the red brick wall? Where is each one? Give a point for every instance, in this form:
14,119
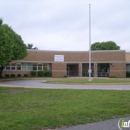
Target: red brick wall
97,56
17,72
118,70
58,69
127,56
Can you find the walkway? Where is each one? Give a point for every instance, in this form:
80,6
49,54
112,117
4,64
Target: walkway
103,125
40,84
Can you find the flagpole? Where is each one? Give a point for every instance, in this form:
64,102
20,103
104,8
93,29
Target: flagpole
90,71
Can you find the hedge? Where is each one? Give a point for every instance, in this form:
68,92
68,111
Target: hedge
33,73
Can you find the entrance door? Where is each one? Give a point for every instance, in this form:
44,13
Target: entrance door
72,70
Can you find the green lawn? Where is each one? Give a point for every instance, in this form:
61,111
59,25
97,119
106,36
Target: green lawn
35,109
85,81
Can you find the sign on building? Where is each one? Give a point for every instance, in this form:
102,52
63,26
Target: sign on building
59,58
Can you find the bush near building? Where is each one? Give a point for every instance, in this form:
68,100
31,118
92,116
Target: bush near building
18,75
12,75
44,73
47,73
25,75
33,73
40,73
7,75
128,74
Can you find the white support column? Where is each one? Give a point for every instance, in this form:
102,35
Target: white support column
42,66
80,69
95,69
37,66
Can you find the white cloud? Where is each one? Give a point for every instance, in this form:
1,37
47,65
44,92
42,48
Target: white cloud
63,25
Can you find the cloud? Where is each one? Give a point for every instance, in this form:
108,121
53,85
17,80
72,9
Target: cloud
63,25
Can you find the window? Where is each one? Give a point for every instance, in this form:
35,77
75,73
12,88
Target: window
34,66
8,67
49,66
39,66
12,66
26,66
44,66
18,66
127,67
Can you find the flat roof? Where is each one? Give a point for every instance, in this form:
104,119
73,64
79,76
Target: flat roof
76,51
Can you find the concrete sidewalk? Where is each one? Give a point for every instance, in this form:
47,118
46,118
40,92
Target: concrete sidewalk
40,84
103,125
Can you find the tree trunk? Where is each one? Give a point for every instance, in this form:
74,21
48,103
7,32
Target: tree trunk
1,70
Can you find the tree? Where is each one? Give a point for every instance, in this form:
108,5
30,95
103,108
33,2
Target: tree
30,46
11,46
19,50
108,45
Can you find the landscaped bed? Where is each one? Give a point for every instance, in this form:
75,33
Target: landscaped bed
38,109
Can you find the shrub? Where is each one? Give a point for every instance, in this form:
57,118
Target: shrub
47,73
25,75
12,75
65,76
127,73
7,75
33,73
40,73
18,75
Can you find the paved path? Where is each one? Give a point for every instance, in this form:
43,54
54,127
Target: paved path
103,125
40,84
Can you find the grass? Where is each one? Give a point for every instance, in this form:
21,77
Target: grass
38,109
94,81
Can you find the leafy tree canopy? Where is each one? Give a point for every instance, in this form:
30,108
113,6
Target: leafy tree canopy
12,46
30,46
108,45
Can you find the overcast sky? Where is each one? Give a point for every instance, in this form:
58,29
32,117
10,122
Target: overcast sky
64,24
